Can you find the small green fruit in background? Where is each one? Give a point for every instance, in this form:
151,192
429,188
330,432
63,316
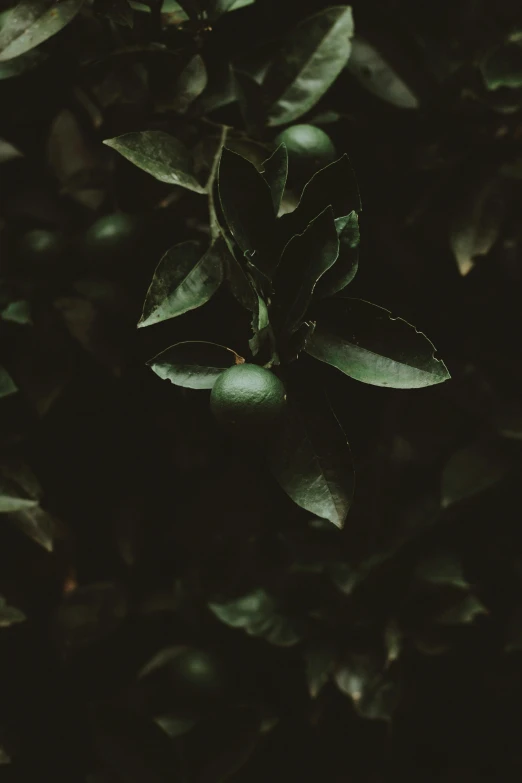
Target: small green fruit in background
197,672
41,246
246,398
309,148
112,237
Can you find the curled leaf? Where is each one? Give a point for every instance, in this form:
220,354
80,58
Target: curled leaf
194,365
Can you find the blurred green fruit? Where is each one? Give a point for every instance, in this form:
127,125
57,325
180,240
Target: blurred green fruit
112,237
309,148
40,246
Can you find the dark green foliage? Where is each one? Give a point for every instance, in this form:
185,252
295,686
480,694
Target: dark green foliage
328,592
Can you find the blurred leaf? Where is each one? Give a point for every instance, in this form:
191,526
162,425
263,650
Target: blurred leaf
320,661
463,612
311,459
367,343
442,568
36,524
92,330
19,489
9,615
247,205
18,312
89,613
476,224
118,11
8,151
275,171
508,418
373,72
393,642
174,726
184,280
503,67
194,365
258,615
190,84
159,154
221,89
31,22
472,470
5,758
22,64
308,63
305,259
7,385
374,696
345,268
334,186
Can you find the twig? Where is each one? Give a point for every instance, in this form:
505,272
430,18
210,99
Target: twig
214,223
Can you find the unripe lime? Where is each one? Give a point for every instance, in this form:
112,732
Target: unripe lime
112,237
307,146
40,246
246,398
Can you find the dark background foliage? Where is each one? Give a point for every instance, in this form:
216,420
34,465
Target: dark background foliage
390,649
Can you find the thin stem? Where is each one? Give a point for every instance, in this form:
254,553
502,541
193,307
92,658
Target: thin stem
214,223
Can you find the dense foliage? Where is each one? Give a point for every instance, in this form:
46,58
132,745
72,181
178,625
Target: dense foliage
324,582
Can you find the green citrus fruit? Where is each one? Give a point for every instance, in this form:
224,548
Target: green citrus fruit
41,246
307,146
246,398
112,237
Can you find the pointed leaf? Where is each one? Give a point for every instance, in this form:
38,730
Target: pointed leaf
184,280
472,470
334,186
159,154
31,22
191,82
373,72
309,62
463,612
7,385
311,458
374,694
275,172
305,259
257,614
194,365
36,524
345,268
247,205
8,151
442,568
503,67
9,615
320,662
367,343
476,224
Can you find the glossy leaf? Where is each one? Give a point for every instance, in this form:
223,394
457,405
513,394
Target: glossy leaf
308,63
372,71
31,22
503,67
13,500
275,172
247,205
305,259
311,459
184,280
7,385
191,82
194,365
345,268
334,186
367,343
258,615
472,470
159,154
9,615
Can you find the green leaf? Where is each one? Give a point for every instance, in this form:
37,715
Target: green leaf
367,343
442,568
305,259
308,63
373,72
159,154
31,22
216,8
191,7
7,385
194,365
345,268
311,459
12,499
118,11
36,524
18,312
251,101
9,615
393,642
8,151
503,67
471,470
334,186
19,65
476,223
191,82
320,659
462,613
257,614
373,694
241,283
260,326
275,172
247,205
184,280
